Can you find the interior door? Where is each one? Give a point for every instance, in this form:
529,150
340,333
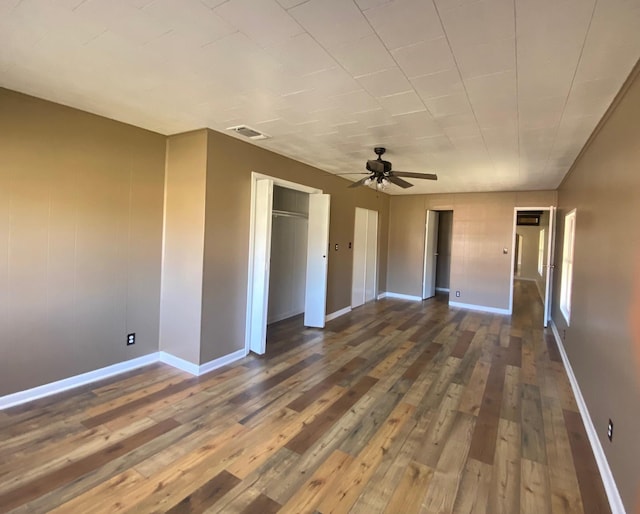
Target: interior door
550,266
315,299
370,292
365,257
261,265
430,254
359,258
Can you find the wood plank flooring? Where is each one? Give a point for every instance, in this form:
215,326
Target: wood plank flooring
397,407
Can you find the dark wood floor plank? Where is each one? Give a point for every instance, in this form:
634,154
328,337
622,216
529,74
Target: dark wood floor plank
533,440
315,392
74,470
263,505
594,496
464,340
483,443
207,495
303,441
268,383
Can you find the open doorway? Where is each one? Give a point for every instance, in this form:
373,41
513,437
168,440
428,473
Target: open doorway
437,252
288,267
287,200
532,267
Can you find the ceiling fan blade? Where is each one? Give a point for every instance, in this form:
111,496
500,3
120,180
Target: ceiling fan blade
399,182
353,173
409,174
375,166
360,182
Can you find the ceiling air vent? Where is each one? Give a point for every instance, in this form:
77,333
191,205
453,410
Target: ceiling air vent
248,132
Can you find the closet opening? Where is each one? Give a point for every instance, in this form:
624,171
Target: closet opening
288,241
288,268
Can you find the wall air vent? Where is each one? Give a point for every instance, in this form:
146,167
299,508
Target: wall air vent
248,132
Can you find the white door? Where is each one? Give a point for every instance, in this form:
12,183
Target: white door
317,249
365,257
359,258
430,254
261,264
550,267
372,256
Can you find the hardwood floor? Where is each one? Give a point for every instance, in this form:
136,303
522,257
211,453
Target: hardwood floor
397,407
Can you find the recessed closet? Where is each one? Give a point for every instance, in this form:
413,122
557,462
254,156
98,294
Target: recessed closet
287,276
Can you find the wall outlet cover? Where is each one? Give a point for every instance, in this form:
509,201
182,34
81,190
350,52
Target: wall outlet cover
131,339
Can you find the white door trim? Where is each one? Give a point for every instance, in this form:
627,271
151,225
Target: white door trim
255,176
430,253
551,209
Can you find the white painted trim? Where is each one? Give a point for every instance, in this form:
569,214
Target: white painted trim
286,315
549,208
222,361
442,289
382,295
401,296
337,314
255,176
615,502
285,183
481,308
197,370
65,384
179,363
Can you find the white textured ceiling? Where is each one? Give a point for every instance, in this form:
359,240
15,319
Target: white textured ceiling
490,94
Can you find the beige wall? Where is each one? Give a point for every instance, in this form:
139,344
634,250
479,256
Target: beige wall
230,163
183,247
482,227
604,188
80,238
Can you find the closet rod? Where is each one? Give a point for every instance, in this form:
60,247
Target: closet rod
289,214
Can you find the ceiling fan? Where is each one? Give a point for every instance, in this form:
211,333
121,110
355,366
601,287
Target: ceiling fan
380,173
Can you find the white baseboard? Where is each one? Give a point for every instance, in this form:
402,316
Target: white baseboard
286,315
222,361
481,308
11,400
179,363
337,314
610,486
65,384
442,289
400,296
382,295
201,369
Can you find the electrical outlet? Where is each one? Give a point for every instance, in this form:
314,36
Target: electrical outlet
610,430
131,339
457,294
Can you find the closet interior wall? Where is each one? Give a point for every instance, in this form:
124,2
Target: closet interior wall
287,275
